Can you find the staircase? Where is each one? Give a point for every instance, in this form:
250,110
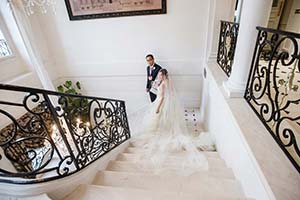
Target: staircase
124,179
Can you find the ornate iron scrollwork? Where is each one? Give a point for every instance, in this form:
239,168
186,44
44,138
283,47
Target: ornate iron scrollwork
273,88
227,43
52,139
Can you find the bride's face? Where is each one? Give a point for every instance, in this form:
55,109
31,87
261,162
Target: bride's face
160,76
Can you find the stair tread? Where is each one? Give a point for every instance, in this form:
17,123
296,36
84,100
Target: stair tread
196,175
98,192
138,150
130,167
205,185
213,161
226,174
192,177
148,166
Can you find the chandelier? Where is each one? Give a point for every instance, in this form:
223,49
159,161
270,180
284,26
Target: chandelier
43,5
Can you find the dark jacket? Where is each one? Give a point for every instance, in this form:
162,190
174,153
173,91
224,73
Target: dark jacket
154,73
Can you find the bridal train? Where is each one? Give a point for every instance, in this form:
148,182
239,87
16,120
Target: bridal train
161,131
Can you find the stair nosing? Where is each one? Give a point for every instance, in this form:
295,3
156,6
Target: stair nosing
216,197
131,162
233,187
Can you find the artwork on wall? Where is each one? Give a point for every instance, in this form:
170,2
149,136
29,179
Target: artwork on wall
91,9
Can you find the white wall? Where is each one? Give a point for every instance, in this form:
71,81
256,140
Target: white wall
109,54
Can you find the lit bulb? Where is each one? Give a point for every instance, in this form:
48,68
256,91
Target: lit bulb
281,82
295,88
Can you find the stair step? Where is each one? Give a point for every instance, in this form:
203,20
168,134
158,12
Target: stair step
205,186
174,159
133,167
138,150
220,173
97,192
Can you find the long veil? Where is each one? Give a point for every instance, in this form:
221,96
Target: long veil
163,134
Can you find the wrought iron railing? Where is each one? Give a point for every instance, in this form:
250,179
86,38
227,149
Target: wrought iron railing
273,88
227,43
4,48
43,137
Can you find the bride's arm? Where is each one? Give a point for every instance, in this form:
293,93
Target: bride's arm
162,98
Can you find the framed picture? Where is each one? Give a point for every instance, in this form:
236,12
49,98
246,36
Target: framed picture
91,9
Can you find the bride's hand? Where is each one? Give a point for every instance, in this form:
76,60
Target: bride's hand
157,111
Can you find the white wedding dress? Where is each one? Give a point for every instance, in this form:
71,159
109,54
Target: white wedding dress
164,134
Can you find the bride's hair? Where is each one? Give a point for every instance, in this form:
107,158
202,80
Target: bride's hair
165,73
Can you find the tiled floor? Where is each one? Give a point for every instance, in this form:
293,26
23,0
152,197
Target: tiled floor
192,118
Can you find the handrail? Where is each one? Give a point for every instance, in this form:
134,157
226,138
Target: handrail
236,23
57,134
277,31
37,90
227,44
273,88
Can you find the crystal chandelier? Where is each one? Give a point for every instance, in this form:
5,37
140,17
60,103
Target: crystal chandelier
42,5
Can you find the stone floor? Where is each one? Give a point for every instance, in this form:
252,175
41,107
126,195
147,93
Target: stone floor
192,118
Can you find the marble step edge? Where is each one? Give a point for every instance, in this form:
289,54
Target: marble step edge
172,159
140,165
224,187
138,193
130,149
201,176
227,173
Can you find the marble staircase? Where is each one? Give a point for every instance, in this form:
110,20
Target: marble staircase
123,179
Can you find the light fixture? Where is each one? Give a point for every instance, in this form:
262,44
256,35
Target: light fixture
42,5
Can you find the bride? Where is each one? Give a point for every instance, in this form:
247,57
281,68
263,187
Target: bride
163,131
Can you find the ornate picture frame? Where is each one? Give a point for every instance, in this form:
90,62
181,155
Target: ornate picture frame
92,9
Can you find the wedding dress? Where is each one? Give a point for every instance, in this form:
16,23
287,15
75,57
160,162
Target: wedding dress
165,133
